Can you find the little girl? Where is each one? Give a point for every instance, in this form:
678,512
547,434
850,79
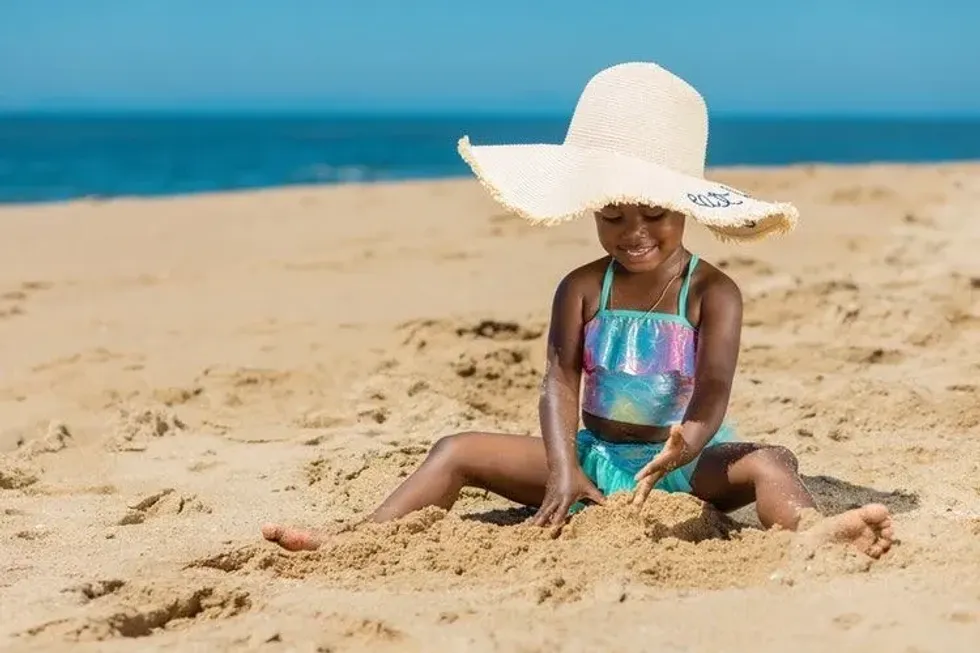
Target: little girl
647,336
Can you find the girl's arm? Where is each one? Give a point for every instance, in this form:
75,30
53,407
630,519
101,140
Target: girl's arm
719,336
558,406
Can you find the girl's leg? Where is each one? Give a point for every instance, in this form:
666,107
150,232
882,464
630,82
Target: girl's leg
734,474
513,466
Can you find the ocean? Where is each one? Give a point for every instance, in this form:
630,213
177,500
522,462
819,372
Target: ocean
63,157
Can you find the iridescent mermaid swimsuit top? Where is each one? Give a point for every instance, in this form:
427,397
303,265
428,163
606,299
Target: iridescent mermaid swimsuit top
639,366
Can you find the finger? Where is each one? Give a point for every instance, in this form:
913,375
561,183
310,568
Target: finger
543,514
597,496
642,491
650,468
645,487
561,514
544,517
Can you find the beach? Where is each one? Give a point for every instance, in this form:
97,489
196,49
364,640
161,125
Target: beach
175,372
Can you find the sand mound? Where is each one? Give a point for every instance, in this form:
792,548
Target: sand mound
675,541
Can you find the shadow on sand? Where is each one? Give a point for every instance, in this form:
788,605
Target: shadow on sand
502,516
833,496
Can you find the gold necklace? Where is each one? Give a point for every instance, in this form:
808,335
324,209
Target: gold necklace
663,293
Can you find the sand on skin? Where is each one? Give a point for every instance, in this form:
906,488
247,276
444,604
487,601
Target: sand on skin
175,372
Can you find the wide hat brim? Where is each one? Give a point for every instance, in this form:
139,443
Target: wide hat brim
550,184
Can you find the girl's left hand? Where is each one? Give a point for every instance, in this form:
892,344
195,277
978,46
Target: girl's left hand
670,458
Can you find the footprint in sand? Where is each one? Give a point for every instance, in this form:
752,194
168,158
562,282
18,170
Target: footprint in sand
126,611
12,301
919,220
34,286
14,310
133,429
175,396
500,330
55,437
17,474
97,589
421,333
164,502
866,355
19,469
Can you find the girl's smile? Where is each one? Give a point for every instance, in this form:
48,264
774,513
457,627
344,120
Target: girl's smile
637,255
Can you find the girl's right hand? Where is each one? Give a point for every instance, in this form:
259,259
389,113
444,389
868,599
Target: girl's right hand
565,487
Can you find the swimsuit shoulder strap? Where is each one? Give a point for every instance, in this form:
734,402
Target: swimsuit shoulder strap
685,286
606,286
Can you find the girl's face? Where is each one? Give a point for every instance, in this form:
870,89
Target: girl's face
639,237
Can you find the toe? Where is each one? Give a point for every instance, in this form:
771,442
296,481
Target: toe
272,532
875,513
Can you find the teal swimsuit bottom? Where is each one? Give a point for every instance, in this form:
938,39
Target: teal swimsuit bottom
612,465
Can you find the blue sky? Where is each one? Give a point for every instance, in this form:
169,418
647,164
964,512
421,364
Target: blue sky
763,56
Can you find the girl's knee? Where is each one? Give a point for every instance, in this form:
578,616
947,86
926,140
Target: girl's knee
451,447
453,454
772,458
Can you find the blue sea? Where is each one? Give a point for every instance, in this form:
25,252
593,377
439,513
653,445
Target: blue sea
62,157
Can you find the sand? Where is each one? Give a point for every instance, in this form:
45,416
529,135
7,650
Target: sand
175,372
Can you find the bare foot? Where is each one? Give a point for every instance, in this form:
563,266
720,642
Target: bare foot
868,529
291,539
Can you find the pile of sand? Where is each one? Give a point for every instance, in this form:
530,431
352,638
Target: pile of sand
673,541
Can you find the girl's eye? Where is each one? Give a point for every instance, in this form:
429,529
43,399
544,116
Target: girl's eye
654,216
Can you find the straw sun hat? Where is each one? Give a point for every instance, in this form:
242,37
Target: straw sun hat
638,135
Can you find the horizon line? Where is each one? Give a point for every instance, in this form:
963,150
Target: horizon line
500,114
